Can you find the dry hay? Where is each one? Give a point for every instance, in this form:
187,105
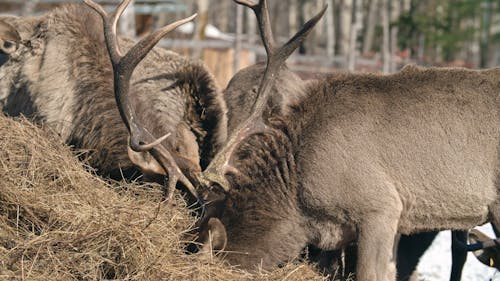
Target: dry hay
60,222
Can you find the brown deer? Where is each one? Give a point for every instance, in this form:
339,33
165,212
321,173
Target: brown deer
267,198
56,70
239,100
361,157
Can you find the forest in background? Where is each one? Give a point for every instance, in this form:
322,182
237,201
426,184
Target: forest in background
429,32
363,35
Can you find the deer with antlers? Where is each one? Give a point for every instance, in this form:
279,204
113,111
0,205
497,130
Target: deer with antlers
361,157
57,71
353,158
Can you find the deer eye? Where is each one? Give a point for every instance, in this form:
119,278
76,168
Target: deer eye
8,46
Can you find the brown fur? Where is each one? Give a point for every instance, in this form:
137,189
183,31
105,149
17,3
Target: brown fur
241,93
62,77
364,157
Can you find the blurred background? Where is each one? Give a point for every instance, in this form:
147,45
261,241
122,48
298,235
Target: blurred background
354,35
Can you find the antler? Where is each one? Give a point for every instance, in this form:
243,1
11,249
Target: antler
255,124
123,67
262,13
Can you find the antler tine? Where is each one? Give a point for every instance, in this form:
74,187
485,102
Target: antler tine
262,14
255,124
145,147
110,23
141,49
299,37
276,60
174,173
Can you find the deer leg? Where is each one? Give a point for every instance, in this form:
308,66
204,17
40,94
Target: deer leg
350,258
458,254
410,250
375,246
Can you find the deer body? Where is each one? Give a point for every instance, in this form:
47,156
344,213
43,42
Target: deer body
63,78
396,156
404,139
373,156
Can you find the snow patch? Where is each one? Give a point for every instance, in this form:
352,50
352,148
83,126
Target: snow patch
435,264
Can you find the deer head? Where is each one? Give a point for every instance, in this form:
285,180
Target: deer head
9,41
140,139
9,38
213,181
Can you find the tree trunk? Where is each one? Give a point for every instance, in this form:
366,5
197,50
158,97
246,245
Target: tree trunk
355,29
406,5
251,24
330,29
487,11
395,13
421,48
237,41
222,17
370,26
29,7
345,27
386,54
320,30
492,60
127,21
476,43
293,17
199,31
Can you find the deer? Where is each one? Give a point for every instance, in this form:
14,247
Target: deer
239,100
311,172
56,71
289,90
362,157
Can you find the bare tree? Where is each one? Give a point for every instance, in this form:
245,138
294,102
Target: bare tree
237,41
220,14
330,29
251,27
395,13
345,26
355,29
406,5
199,31
488,9
29,7
384,7
127,22
370,26
292,17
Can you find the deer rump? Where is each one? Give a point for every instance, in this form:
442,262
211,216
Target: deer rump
61,76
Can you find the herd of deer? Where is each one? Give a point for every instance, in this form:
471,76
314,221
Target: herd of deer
277,164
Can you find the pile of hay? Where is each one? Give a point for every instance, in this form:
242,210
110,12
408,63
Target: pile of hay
60,222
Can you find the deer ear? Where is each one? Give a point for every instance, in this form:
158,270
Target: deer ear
488,256
213,237
9,38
